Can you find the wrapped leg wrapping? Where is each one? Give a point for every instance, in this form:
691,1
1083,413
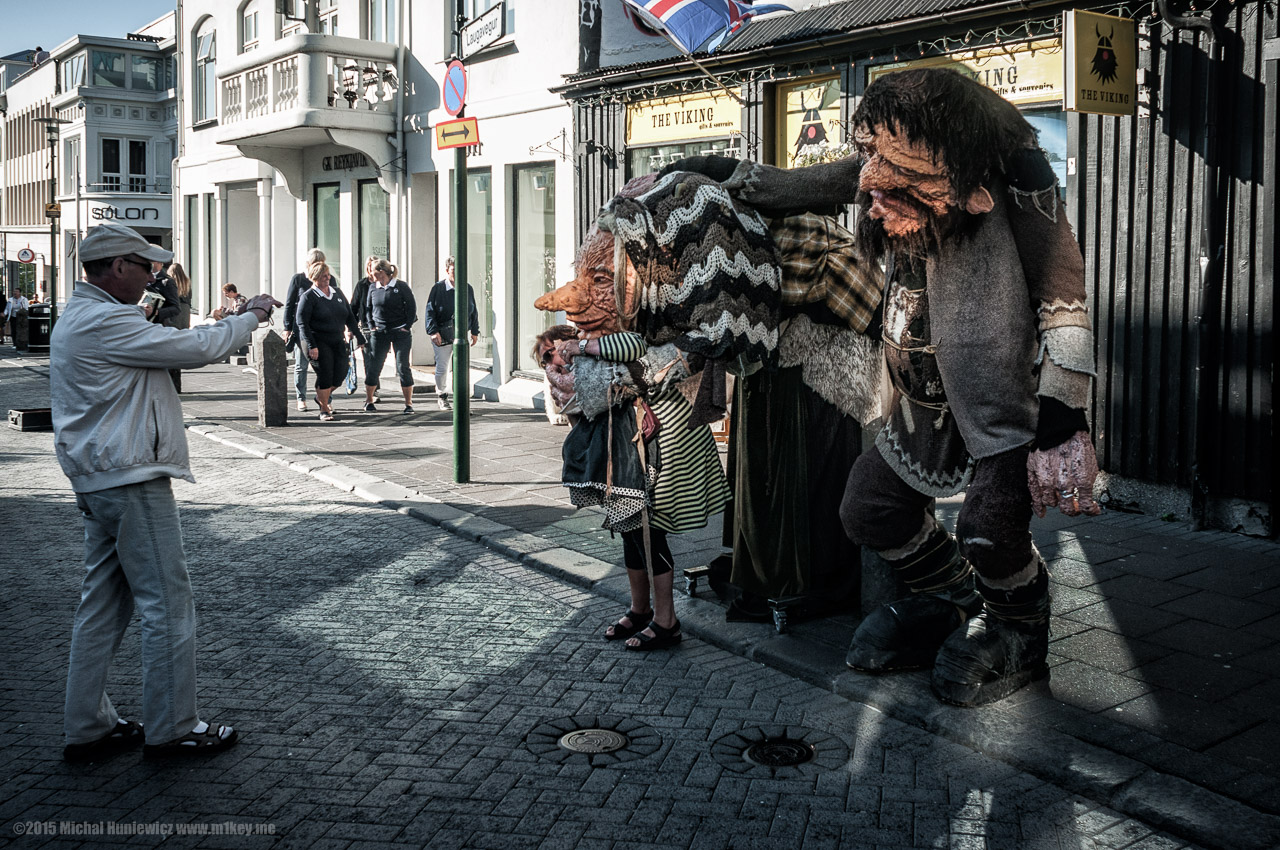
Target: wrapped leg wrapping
906,634
1002,649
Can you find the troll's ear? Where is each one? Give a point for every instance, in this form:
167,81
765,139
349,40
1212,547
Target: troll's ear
979,201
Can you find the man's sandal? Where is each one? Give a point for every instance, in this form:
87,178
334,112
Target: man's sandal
620,632
214,739
126,735
662,638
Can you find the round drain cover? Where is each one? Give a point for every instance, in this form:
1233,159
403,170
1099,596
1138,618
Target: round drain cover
593,741
779,752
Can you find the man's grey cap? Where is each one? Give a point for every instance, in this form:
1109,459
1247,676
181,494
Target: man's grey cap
116,240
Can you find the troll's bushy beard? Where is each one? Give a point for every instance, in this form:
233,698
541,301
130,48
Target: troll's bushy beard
876,242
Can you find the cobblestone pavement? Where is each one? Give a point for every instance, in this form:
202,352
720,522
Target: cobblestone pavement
394,686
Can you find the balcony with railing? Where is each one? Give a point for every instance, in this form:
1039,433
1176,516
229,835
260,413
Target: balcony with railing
307,90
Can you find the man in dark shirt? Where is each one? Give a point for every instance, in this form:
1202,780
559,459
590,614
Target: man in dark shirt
440,310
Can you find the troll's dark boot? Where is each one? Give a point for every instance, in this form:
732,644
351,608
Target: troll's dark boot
905,635
1001,650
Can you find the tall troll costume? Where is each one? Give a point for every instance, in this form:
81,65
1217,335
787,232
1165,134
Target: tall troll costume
990,355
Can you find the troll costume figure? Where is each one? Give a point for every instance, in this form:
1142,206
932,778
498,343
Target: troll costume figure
990,354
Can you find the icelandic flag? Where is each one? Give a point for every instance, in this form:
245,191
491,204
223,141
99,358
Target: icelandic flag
690,24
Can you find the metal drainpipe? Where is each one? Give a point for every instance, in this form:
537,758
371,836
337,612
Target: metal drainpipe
1212,262
403,23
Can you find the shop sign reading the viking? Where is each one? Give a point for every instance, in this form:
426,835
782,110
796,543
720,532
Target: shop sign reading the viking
670,119
1101,64
1023,73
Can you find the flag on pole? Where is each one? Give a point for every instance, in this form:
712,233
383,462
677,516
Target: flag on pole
694,24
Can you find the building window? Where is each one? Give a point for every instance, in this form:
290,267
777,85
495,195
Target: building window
329,18
374,220
108,69
380,20
73,72
480,254
205,81
479,7
70,165
110,165
535,255
249,27
137,165
149,73
191,242
326,225
1051,125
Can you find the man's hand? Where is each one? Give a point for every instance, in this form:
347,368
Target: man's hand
263,304
148,309
313,354
474,339
437,339
1062,477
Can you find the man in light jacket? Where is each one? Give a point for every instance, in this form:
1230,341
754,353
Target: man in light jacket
119,437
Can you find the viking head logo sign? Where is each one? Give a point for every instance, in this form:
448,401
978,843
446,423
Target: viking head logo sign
1104,58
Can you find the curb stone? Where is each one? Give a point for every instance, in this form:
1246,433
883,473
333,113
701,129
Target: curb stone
1128,786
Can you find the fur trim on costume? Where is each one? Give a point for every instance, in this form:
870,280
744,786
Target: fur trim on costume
842,367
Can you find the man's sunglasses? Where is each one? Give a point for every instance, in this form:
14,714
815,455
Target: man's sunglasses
144,265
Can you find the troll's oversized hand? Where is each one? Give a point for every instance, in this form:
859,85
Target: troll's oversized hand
1062,477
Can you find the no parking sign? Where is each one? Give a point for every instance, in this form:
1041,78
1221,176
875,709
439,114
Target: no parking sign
455,87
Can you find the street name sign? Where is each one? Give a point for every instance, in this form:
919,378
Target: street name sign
484,30
457,134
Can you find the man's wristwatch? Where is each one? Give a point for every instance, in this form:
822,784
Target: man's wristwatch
582,346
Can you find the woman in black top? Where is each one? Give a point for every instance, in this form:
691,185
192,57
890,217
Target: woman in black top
323,314
392,312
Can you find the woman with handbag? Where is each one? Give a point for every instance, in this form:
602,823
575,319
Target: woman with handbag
323,315
632,450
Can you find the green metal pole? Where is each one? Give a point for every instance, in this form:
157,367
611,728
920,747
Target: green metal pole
461,325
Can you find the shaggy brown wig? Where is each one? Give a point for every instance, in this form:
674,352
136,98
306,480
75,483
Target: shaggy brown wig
974,132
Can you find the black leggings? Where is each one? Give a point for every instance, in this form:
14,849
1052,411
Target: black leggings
633,550
331,365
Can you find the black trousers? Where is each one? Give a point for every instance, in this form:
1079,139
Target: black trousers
331,365
882,511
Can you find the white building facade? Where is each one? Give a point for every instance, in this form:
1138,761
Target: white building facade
316,128
112,102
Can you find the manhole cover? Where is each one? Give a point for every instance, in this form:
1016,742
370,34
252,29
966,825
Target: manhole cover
596,740
779,751
593,741
782,752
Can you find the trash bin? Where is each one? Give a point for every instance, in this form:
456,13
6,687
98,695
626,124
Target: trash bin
38,327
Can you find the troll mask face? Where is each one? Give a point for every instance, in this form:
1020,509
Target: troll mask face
588,300
909,188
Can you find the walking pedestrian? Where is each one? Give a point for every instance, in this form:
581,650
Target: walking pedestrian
119,438
392,312
360,306
323,313
15,311
298,284
439,325
182,286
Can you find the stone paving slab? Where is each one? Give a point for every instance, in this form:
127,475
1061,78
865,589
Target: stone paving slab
1078,715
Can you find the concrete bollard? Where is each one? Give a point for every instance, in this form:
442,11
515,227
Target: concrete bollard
273,398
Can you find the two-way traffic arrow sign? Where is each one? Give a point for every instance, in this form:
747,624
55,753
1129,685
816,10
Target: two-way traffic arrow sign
457,134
